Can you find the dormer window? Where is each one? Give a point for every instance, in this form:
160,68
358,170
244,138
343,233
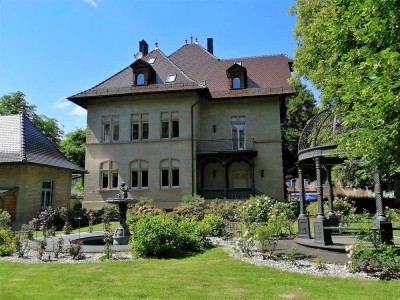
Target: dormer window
236,83
140,79
171,78
143,73
237,75
151,60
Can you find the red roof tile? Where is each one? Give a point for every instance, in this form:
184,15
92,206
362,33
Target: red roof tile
266,75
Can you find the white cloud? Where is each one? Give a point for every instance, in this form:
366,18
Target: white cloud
91,2
78,111
62,103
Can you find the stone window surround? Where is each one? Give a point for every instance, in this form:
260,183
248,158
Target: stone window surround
170,168
110,169
110,128
140,166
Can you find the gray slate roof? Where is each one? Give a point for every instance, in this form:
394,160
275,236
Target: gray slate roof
22,142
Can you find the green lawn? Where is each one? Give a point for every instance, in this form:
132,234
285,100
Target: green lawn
211,275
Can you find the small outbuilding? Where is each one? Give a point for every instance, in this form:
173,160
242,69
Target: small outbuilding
34,174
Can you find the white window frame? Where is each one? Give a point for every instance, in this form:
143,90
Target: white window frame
140,119
170,118
170,165
47,194
112,122
109,168
142,166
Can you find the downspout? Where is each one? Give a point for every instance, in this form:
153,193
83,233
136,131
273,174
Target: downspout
192,135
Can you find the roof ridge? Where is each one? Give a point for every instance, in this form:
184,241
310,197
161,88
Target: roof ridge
255,56
22,128
198,45
177,66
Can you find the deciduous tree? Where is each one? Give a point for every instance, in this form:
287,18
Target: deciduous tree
349,49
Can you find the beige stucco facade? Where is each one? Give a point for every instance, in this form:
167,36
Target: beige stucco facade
29,179
208,120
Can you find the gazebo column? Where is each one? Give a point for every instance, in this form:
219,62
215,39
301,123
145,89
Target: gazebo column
303,221
321,235
331,216
380,221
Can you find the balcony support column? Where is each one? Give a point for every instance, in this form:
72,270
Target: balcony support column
253,184
225,180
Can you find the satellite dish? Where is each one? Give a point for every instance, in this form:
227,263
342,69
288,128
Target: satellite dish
138,55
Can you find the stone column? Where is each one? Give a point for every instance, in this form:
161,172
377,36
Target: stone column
331,216
380,221
321,235
303,221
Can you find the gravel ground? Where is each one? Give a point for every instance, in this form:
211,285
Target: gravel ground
298,266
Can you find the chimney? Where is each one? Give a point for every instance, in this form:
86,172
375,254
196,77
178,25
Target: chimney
210,45
143,47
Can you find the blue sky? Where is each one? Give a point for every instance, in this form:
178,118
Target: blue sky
52,49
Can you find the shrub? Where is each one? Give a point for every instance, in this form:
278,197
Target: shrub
5,219
162,236
75,249
191,206
256,209
213,225
228,210
6,242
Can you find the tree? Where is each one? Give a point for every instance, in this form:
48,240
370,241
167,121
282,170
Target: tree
73,146
15,103
349,49
299,109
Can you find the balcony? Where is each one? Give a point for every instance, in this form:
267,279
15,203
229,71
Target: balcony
225,146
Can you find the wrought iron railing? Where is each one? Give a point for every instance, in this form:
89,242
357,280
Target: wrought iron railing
225,145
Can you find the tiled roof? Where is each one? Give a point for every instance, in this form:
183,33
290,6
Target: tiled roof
194,65
22,142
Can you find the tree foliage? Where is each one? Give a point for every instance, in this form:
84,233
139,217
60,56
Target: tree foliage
15,103
299,109
73,146
349,49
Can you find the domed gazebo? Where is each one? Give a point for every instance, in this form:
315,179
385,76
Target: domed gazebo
316,146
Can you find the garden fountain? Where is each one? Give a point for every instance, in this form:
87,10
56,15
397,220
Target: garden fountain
122,234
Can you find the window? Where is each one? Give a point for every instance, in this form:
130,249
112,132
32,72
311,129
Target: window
47,194
140,79
109,175
151,60
238,125
139,174
169,125
171,78
140,126
110,128
169,173
236,83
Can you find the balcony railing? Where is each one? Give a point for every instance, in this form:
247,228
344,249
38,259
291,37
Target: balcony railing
225,145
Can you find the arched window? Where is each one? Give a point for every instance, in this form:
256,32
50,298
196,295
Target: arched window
236,83
139,174
169,173
140,79
109,175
